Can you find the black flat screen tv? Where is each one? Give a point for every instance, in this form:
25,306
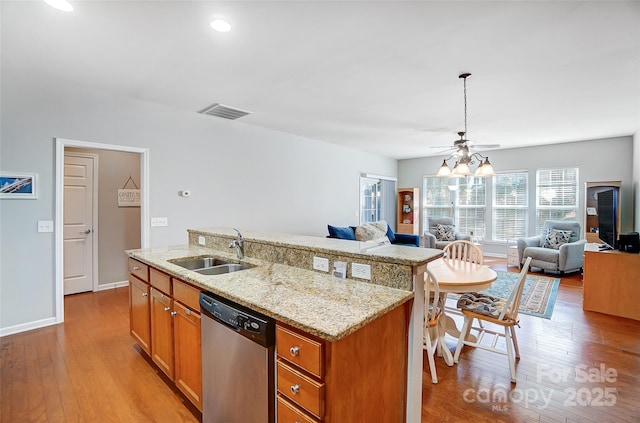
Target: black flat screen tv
608,216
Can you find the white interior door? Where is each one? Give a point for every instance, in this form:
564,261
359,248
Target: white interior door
78,224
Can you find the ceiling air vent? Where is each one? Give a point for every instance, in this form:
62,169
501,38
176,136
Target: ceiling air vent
226,112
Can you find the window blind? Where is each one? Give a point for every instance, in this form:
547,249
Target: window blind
556,195
510,206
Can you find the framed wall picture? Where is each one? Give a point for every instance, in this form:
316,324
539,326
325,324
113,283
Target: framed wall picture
18,185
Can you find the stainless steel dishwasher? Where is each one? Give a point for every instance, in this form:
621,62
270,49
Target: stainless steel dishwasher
237,363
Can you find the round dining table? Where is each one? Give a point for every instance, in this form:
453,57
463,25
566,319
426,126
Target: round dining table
457,276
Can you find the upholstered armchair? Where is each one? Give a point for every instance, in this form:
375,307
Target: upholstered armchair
435,236
557,248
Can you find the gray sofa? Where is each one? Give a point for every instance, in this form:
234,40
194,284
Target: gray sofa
567,258
429,239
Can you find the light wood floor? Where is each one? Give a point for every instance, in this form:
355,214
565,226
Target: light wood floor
89,370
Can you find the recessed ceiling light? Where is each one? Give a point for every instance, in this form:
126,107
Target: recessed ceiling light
221,25
63,5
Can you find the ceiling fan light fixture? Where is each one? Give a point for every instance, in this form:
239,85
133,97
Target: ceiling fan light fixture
462,169
485,169
463,156
444,169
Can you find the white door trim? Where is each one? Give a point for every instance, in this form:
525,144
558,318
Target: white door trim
94,214
61,143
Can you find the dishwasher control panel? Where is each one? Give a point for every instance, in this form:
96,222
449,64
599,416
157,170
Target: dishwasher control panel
243,320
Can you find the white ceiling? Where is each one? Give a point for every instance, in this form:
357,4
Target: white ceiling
372,75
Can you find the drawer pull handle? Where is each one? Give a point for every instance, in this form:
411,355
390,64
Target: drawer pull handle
144,294
294,351
295,389
167,308
136,268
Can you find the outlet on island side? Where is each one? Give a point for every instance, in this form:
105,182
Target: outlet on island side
361,271
320,263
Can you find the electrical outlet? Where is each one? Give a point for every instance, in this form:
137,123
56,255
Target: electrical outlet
361,271
159,221
321,264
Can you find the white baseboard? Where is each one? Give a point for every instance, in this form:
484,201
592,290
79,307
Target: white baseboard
495,255
112,285
23,327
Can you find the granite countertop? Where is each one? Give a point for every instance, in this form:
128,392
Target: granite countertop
396,254
317,303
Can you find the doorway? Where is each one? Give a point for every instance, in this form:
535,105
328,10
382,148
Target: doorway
142,232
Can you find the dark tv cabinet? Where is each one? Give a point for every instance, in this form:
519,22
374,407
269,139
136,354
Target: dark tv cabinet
591,203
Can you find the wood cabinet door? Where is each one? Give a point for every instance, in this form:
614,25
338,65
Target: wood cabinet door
162,331
188,353
139,313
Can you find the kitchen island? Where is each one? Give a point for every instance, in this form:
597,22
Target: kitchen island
332,312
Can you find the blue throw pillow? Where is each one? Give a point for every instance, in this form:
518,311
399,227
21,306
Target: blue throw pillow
341,233
391,235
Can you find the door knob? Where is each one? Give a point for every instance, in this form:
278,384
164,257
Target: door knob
87,232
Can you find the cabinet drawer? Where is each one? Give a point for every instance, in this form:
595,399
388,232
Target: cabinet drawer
300,350
160,281
300,389
289,413
186,294
140,270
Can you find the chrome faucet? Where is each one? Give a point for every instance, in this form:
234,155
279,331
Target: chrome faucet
239,244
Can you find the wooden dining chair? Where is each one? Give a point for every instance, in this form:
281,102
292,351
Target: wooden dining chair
464,250
498,311
433,307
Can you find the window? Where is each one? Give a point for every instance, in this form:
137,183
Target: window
460,198
470,206
510,206
556,195
377,199
437,199
370,204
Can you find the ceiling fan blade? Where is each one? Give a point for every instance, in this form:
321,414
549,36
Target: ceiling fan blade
486,145
449,150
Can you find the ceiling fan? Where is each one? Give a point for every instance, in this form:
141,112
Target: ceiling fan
459,145
460,151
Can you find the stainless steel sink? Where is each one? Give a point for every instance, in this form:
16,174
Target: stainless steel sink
199,263
223,268
209,265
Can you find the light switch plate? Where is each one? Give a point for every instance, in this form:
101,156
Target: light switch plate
45,225
201,240
159,221
321,264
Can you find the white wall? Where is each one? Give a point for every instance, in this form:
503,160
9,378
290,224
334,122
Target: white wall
598,160
239,175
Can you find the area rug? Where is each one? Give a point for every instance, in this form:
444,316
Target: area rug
538,296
